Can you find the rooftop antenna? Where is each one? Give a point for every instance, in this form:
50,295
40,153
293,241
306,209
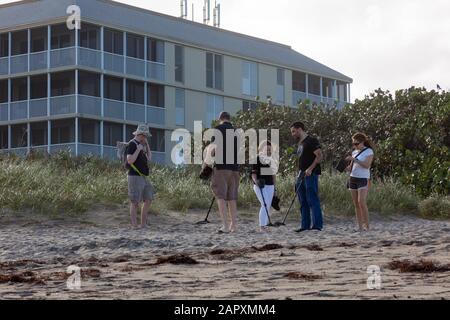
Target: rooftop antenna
207,12
217,14
184,9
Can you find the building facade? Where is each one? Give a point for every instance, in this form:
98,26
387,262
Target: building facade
84,90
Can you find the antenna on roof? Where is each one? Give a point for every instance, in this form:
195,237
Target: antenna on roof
217,13
207,12
184,9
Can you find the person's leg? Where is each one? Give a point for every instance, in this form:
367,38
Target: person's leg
305,210
364,210
262,212
134,207
355,198
218,186
144,213
268,193
232,208
312,194
222,204
232,197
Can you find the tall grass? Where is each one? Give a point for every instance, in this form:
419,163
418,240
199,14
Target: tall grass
62,184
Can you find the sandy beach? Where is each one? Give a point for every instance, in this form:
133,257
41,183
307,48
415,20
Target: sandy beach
175,259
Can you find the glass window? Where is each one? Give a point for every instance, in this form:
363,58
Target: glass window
280,85
314,85
113,41
250,78
155,50
39,132
39,39
179,63
38,86
19,89
4,137
180,106
214,106
89,83
158,140
342,91
113,88
89,36
155,95
3,91
62,37
214,71
112,133
298,81
4,45
63,131
19,42
328,88
135,46
129,132
249,105
89,131
63,83
135,92
19,136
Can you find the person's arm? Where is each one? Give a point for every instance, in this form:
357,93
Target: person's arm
255,169
319,157
149,151
366,164
131,158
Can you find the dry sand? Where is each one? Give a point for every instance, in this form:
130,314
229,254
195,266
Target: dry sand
119,263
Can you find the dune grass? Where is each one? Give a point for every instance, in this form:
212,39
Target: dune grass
62,184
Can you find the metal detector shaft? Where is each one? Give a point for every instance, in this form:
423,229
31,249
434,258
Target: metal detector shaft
300,176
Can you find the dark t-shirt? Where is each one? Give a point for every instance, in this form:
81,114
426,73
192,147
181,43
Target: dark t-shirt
256,169
233,166
306,154
141,162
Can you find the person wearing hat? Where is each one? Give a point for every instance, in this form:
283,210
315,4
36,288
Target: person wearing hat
140,190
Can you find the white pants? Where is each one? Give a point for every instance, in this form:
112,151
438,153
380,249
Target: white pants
268,193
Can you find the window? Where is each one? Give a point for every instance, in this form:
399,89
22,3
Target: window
249,105
89,36
113,41
113,88
135,92
155,50
38,86
214,106
328,87
112,133
249,78
4,45
158,140
180,106
62,83
89,84
155,95
62,37
19,136
63,131
314,85
4,137
298,81
39,39
214,71
19,42
3,91
39,132
89,131
135,46
129,132
19,89
280,85
179,63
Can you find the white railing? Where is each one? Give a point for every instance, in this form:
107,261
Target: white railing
113,62
297,97
156,115
156,70
135,67
110,153
89,105
134,112
55,148
62,57
4,112
38,61
113,109
4,66
19,110
62,105
89,57
19,151
38,108
315,99
19,63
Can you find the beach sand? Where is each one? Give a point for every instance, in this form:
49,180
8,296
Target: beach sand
120,263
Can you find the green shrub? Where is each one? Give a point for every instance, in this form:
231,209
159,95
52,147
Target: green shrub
435,207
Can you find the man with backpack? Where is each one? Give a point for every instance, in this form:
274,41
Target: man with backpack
140,190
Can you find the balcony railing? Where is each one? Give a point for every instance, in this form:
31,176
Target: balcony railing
38,61
156,115
4,112
297,97
62,57
113,62
19,110
136,67
4,66
89,58
159,157
156,70
38,108
68,147
19,64
113,109
110,153
89,105
62,105
89,149
134,112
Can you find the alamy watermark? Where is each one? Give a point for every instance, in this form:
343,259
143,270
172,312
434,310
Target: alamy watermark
374,279
74,280
74,20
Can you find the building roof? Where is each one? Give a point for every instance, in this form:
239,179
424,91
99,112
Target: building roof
136,19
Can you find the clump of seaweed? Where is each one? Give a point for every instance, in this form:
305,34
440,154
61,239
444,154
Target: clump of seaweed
422,266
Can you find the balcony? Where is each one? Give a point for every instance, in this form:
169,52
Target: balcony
19,110
110,153
38,108
297,97
89,58
68,147
4,66
89,150
90,105
134,112
19,64
136,67
113,62
159,157
62,105
62,57
156,115
4,112
38,61
156,71
114,109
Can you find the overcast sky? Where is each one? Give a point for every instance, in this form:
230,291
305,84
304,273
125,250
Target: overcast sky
392,44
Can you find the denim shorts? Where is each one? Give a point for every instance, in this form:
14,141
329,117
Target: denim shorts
357,183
